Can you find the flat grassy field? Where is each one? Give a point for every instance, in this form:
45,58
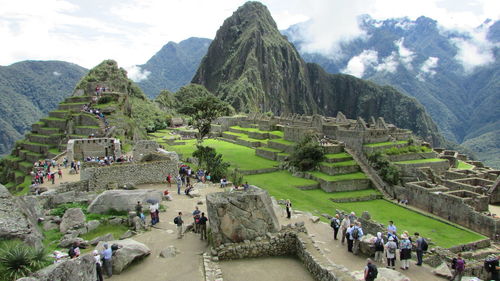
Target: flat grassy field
418,161
464,166
382,211
337,155
239,156
352,176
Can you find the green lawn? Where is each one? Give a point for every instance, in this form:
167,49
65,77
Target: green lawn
283,141
382,211
340,164
464,166
377,144
103,229
269,149
418,161
246,137
351,176
338,155
239,156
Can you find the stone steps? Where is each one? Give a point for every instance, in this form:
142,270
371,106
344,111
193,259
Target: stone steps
268,153
35,147
374,147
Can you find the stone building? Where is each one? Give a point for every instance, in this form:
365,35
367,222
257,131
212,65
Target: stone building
79,149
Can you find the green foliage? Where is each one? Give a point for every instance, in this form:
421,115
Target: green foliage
202,107
105,100
147,115
17,260
59,210
236,177
166,100
211,161
406,149
103,229
307,154
389,172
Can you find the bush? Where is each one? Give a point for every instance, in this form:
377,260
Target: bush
236,177
307,154
389,173
61,209
211,161
104,100
18,260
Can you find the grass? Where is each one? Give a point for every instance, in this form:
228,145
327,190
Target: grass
443,234
464,166
351,176
103,229
340,164
418,161
53,119
338,155
269,149
23,188
51,239
377,144
277,133
35,143
26,164
237,155
283,141
88,127
12,158
54,151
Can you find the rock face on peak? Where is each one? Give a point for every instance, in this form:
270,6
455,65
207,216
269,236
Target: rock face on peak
255,68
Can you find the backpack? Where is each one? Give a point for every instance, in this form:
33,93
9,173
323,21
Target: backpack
355,233
334,223
489,264
424,245
71,252
453,263
176,220
372,271
379,246
392,250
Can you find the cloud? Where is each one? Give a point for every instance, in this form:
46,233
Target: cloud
405,55
55,73
137,74
358,64
389,63
428,68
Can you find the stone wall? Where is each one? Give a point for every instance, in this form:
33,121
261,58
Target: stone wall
411,156
412,170
143,147
78,149
135,173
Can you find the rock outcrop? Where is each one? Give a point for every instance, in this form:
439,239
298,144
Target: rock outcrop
242,215
72,218
15,222
122,200
129,251
80,269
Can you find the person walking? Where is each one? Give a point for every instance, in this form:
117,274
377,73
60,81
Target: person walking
98,265
178,181
288,209
405,251
458,268
371,271
356,234
379,247
420,247
390,253
107,255
203,226
335,224
344,225
196,219
178,221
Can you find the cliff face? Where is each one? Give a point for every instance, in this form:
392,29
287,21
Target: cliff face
254,68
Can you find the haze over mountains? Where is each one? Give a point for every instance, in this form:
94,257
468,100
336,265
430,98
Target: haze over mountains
416,57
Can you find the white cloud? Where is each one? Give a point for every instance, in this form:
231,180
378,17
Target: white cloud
428,68
55,73
389,64
137,74
405,55
358,64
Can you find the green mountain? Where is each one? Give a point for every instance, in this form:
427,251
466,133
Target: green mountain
254,68
173,66
425,60
28,91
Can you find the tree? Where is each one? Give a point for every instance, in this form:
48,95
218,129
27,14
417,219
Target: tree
203,109
211,161
307,154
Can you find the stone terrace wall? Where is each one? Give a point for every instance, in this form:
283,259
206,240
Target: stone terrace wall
135,173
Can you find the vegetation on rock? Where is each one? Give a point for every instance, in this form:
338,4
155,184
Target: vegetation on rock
389,172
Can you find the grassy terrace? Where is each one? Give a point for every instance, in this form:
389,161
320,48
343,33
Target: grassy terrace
54,151
352,176
255,130
239,156
418,161
337,155
445,235
283,141
340,164
53,119
246,137
270,149
377,144
464,166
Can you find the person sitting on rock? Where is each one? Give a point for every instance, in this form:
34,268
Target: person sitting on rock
188,189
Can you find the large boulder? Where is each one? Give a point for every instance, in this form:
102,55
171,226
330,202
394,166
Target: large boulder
238,216
443,271
367,245
16,221
79,269
72,218
122,200
53,199
129,251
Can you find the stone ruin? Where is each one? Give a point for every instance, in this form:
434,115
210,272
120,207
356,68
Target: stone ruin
79,149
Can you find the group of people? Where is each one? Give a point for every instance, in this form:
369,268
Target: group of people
89,109
199,224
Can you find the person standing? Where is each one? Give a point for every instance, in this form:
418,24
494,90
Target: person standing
391,228
420,247
169,180
335,224
107,255
459,268
179,183
196,219
288,209
350,239
371,271
379,247
390,252
491,264
178,221
203,226
98,265
356,234
405,251
344,226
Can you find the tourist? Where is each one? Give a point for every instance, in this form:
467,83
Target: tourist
391,228
166,195
58,256
107,262
208,177
169,180
196,219
78,164
371,271
352,217
178,221
98,265
223,182
344,226
491,265
59,172
379,247
153,208
420,247
203,226
356,234
188,189
390,252
335,224
349,237
179,183
246,186
74,251
288,206
138,211
405,251
458,266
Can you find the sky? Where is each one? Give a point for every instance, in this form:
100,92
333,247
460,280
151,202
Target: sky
131,31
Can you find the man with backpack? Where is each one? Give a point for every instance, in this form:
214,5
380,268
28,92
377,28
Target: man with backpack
458,266
178,221
379,247
391,247
350,239
491,265
356,234
371,271
421,246
335,224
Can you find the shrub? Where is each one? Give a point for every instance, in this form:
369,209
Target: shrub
389,172
211,161
61,209
17,260
307,154
236,177
104,100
